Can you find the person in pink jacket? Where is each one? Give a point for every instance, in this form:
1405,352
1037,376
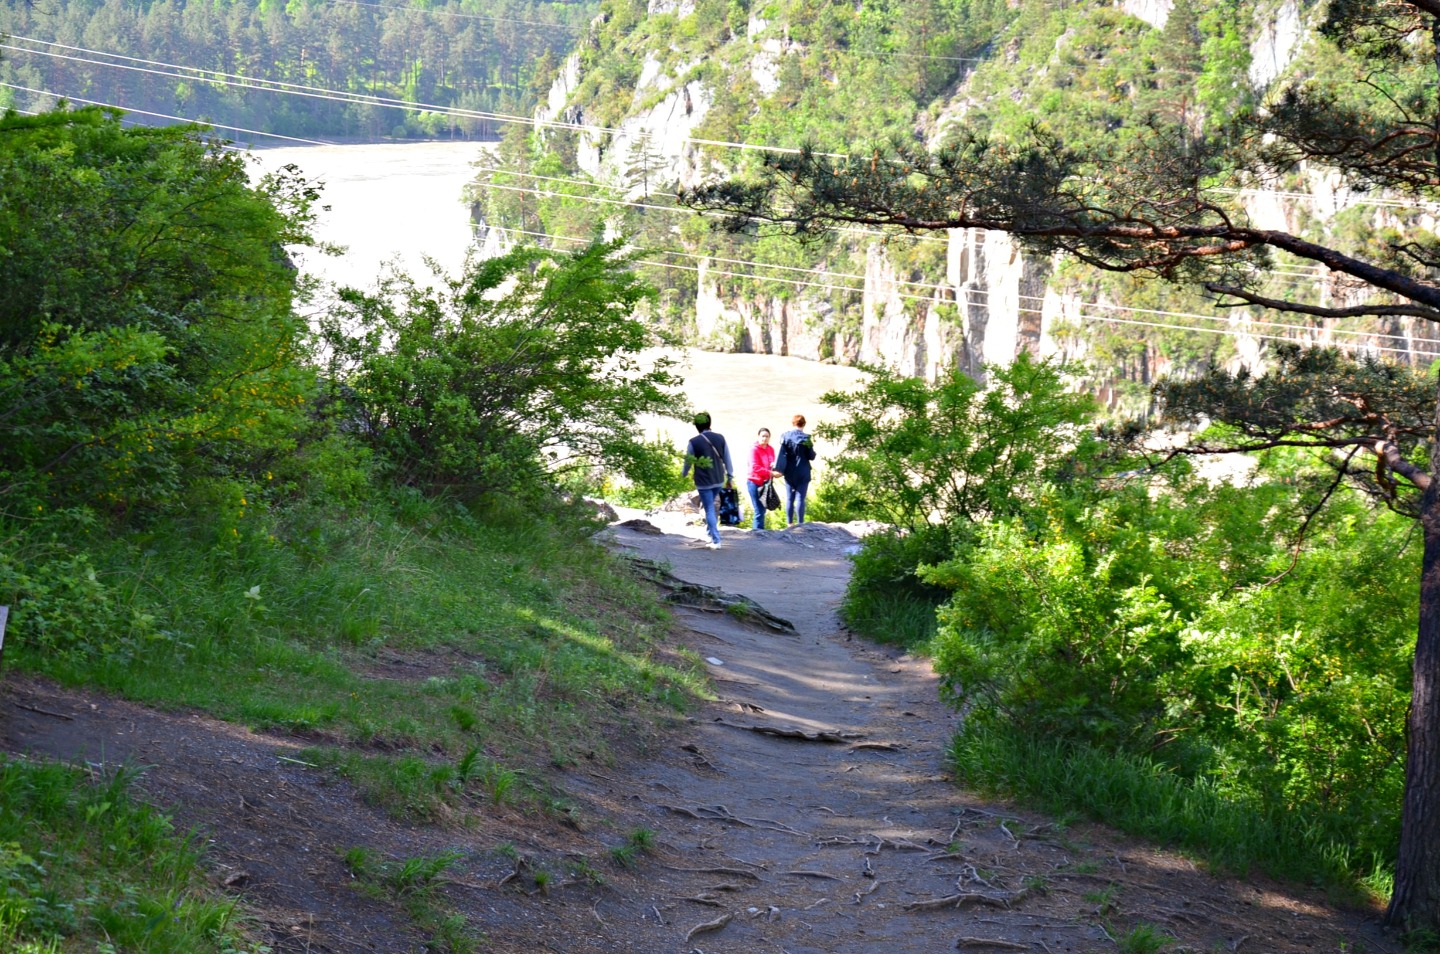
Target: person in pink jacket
762,458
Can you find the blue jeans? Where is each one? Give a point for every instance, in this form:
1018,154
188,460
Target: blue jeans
707,500
795,502
755,504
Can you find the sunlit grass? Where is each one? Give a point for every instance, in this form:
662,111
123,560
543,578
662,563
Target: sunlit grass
1144,798
83,865
525,638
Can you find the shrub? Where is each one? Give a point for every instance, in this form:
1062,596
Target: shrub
146,328
1181,626
954,450
524,367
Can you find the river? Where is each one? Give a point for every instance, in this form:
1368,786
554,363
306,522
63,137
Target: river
401,203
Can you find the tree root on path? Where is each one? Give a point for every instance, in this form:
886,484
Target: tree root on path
991,942
721,813
899,844
868,891
709,899
709,598
714,925
880,746
736,872
970,897
779,732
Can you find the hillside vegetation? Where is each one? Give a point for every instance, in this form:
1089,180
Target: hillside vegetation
837,77
334,59
205,504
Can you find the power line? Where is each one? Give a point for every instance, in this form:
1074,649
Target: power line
248,82
146,112
967,292
851,230
297,89
934,286
241,81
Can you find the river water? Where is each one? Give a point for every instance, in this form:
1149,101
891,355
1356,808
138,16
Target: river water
399,203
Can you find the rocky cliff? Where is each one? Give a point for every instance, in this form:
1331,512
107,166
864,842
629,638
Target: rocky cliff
647,95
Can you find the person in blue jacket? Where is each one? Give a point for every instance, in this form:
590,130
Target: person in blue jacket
797,450
710,456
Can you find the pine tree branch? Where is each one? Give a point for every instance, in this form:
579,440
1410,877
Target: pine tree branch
1359,311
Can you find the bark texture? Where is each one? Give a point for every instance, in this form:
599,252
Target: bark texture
1415,903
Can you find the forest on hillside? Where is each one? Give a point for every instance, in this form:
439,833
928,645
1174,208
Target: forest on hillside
351,69
837,76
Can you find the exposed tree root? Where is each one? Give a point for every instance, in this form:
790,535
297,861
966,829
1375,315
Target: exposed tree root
899,844
779,732
966,898
736,872
709,598
991,942
721,813
868,891
709,899
714,925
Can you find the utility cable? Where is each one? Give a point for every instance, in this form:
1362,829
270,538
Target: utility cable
146,112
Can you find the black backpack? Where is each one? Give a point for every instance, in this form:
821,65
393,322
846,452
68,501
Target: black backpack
727,506
794,455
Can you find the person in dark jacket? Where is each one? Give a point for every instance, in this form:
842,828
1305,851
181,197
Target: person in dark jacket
797,450
710,457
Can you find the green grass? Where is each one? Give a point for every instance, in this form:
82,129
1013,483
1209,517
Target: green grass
423,631
413,884
85,866
438,659
898,619
1144,798
640,841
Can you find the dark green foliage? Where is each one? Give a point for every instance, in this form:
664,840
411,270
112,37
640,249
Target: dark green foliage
83,865
1171,625
885,599
932,460
526,365
147,337
1362,409
476,55
1144,796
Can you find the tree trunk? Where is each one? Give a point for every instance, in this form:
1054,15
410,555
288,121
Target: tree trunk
1415,904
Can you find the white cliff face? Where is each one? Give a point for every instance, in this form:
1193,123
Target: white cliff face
994,301
681,8
666,129
765,66
652,74
1276,45
1153,12
560,90
760,324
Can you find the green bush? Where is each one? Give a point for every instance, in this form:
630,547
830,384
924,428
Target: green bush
147,334
524,367
885,599
62,606
1179,625
83,866
954,450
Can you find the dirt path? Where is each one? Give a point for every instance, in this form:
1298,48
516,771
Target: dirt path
808,810
853,844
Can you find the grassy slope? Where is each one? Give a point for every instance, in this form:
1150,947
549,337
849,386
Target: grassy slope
540,646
